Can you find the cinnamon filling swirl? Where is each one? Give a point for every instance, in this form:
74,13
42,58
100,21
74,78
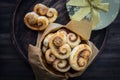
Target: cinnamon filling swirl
52,14
58,46
58,41
61,65
40,9
49,56
73,40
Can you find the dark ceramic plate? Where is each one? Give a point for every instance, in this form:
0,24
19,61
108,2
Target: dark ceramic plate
22,36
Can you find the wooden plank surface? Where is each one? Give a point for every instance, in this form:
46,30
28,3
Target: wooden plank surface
14,67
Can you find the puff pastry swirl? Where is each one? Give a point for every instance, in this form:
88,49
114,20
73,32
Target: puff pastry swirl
58,46
77,60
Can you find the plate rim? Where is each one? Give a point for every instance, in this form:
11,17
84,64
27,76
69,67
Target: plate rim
14,42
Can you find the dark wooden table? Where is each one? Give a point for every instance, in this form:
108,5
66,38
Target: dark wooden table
14,67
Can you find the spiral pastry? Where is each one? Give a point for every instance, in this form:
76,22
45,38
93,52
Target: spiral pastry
58,46
61,65
35,22
52,14
46,40
30,20
42,22
73,39
49,56
86,54
76,60
40,9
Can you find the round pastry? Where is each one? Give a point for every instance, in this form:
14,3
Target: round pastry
40,9
46,40
42,22
76,60
49,56
35,22
30,20
73,39
86,54
52,14
58,46
61,65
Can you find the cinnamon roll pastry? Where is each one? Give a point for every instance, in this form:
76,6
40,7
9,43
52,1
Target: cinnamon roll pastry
52,14
49,56
73,39
42,22
30,20
35,22
58,46
76,60
61,65
40,9
46,40
86,54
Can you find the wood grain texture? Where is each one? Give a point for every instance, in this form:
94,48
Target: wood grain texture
14,67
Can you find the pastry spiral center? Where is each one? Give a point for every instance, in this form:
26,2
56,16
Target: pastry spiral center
42,10
72,37
81,62
40,23
61,65
50,14
85,53
49,56
58,41
31,19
